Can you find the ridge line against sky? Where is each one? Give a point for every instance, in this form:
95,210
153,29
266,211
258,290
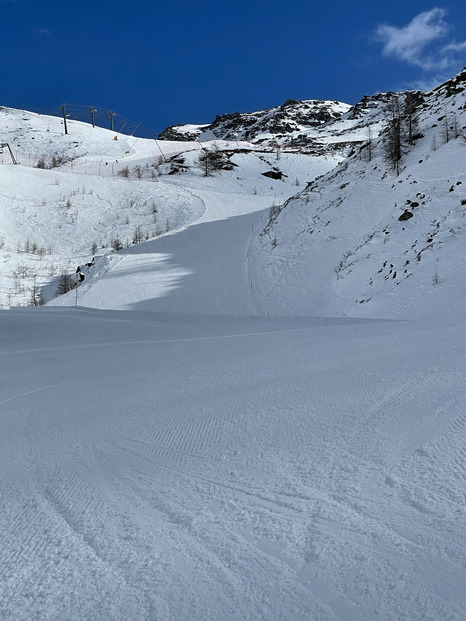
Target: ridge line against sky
186,62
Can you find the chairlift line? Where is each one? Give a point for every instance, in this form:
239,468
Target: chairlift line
83,112
135,128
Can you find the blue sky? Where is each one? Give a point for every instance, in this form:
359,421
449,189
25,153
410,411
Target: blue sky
174,61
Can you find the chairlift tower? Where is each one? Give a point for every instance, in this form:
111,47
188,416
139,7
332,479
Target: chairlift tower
63,109
110,115
5,145
93,110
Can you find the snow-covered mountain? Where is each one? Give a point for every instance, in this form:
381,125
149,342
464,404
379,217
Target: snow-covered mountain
76,196
334,244
232,424
316,125
364,241
292,116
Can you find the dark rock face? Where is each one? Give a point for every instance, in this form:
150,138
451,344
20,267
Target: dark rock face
273,174
284,119
368,102
171,133
453,86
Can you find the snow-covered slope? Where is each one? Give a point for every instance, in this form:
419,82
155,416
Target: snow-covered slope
203,268
337,248
72,196
92,193
340,248
167,466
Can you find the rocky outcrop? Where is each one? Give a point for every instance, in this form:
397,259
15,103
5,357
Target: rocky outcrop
291,117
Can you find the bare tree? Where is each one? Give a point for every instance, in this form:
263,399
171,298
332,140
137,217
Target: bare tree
204,162
116,243
138,235
36,295
369,143
392,138
64,284
455,126
409,114
211,160
446,128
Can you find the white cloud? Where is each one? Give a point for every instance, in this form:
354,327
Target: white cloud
425,85
419,42
43,31
455,47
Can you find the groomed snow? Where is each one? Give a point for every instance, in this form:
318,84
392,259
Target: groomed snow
162,466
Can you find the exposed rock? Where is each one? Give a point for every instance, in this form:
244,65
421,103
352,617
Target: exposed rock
406,215
171,133
290,117
273,174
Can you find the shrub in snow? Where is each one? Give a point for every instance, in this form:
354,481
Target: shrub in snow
116,243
